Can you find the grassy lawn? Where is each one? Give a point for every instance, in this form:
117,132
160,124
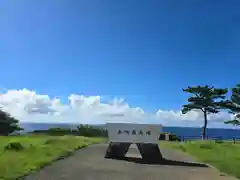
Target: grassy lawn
38,151
224,156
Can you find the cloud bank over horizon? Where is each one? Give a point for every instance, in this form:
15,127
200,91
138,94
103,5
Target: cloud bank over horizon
29,106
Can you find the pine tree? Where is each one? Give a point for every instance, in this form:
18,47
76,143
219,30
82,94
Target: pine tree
206,99
8,124
234,106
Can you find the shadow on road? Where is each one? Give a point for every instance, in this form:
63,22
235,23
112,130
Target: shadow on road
160,162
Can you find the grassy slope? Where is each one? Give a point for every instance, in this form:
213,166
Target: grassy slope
38,151
224,156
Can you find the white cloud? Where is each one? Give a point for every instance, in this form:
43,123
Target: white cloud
28,106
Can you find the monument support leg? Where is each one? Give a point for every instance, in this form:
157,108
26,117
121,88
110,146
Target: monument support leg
117,150
149,152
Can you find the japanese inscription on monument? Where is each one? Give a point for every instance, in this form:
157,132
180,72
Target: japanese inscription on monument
133,132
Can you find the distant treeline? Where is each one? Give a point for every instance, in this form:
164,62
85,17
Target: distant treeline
81,130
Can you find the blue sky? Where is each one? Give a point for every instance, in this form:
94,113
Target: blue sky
143,51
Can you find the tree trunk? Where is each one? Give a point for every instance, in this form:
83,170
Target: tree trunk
205,126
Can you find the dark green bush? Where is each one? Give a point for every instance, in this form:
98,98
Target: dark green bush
53,141
89,131
14,146
172,137
183,148
206,146
57,131
219,141
82,130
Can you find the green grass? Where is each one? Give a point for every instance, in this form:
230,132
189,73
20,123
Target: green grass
39,150
224,156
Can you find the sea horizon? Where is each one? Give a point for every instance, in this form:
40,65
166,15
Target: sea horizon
101,124
180,131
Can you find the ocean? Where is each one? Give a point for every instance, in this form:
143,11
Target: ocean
192,132
179,131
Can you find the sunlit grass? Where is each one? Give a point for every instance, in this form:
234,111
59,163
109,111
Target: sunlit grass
224,156
38,151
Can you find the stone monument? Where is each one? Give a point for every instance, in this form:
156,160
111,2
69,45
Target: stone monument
145,136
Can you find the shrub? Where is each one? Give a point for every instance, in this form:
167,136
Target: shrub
53,141
57,131
206,145
14,146
219,141
82,130
89,131
172,137
183,148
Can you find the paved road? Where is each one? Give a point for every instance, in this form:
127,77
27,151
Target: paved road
90,164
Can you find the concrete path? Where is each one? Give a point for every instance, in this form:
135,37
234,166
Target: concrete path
90,164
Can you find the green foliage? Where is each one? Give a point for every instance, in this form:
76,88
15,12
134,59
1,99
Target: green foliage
206,99
225,156
39,150
56,132
234,106
82,130
219,141
234,122
172,137
182,148
14,146
53,141
8,124
89,131
206,146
